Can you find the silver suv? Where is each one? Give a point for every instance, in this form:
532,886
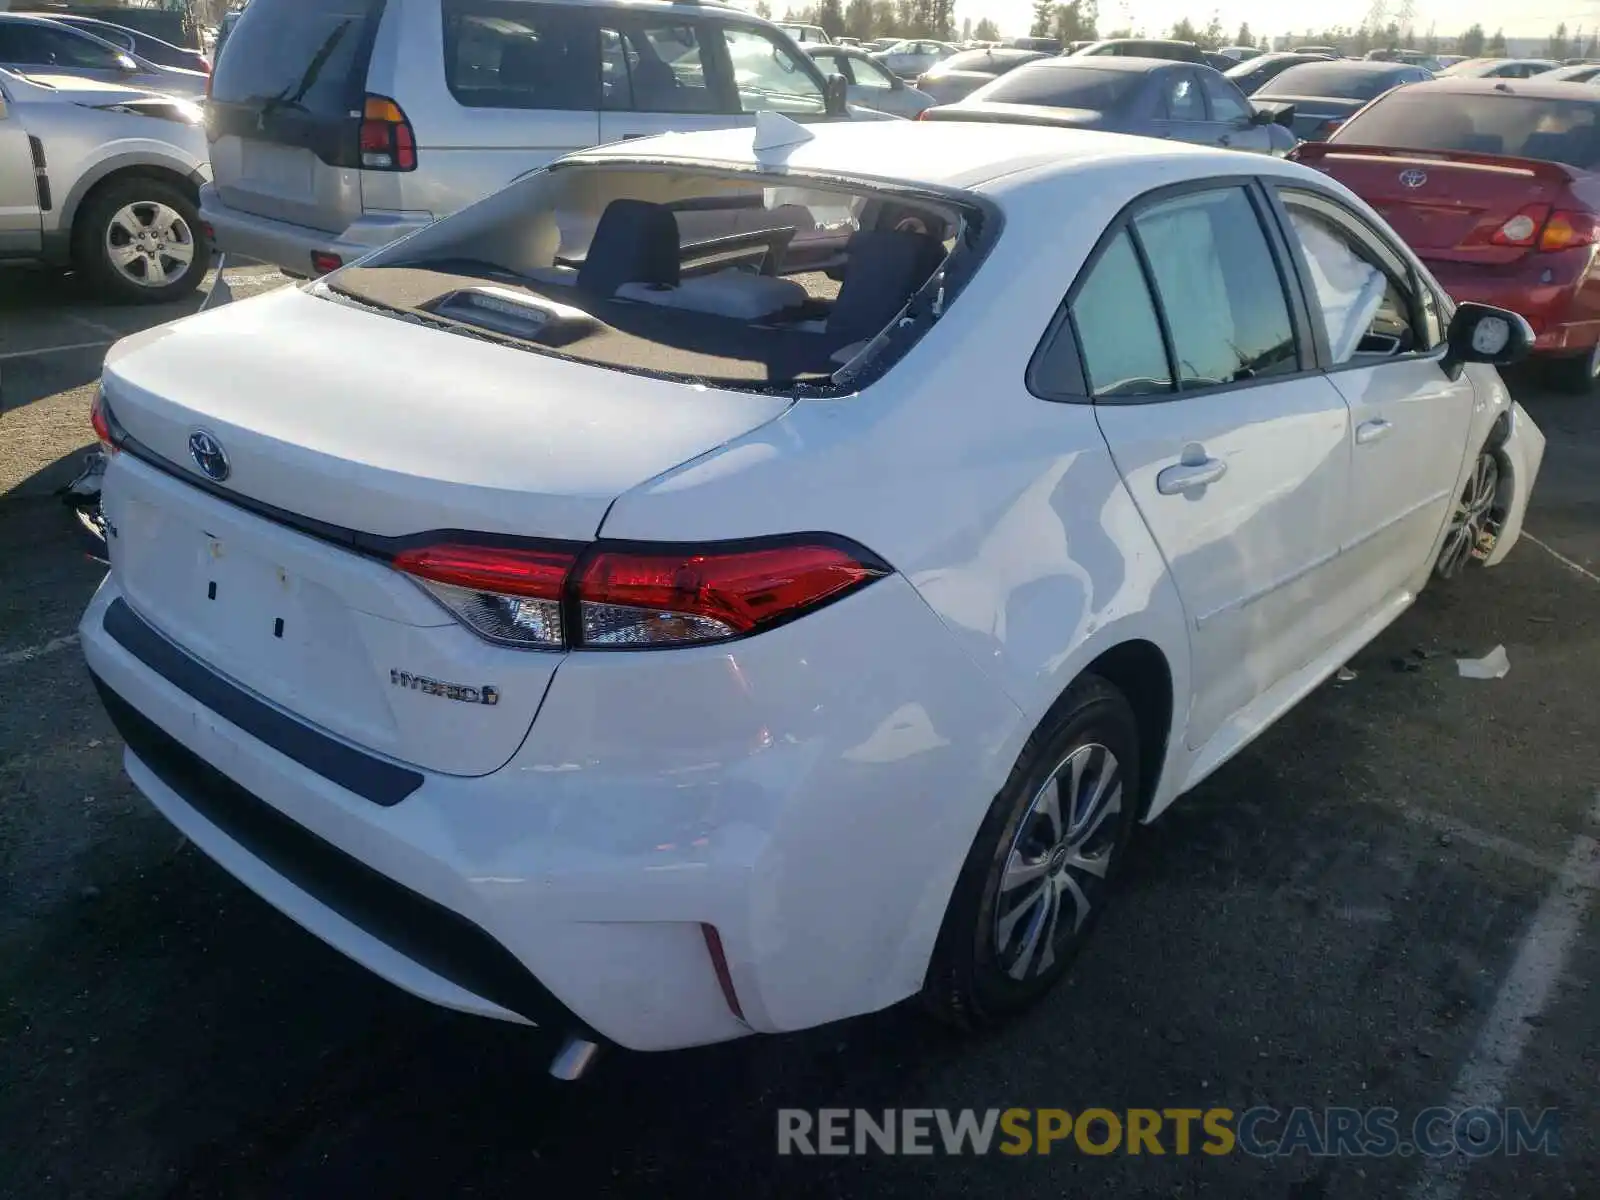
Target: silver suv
337,126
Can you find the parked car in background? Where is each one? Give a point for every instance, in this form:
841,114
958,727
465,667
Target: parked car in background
871,84
912,57
1325,94
1250,77
1495,186
224,29
1241,53
808,33
103,179
1144,48
624,671
36,45
1045,45
962,74
324,147
1499,68
1579,73
1145,96
1321,51
1217,61
147,46
1412,58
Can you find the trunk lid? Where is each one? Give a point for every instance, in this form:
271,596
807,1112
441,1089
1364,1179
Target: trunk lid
358,427
284,113
1445,205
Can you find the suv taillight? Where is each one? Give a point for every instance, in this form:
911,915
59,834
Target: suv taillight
636,595
388,142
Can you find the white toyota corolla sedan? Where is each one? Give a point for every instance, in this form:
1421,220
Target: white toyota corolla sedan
721,584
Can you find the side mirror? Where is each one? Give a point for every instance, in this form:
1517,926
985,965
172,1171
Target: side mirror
1270,112
835,96
1481,333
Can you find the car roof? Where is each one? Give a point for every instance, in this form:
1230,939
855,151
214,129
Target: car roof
983,157
1126,63
1537,88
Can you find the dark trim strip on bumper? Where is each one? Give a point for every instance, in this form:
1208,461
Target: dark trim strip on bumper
423,930
369,777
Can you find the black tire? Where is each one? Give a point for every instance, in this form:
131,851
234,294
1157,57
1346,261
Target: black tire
92,234
970,983
1577,376
1475,520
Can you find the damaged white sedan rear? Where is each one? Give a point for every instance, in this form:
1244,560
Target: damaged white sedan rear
701,590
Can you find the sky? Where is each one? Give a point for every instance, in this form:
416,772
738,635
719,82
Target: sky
1533,18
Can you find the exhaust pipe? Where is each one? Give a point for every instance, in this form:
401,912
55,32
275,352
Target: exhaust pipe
574,1059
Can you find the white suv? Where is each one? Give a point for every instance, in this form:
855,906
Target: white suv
337,126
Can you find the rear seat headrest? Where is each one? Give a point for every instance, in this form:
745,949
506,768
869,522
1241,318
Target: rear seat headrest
634,242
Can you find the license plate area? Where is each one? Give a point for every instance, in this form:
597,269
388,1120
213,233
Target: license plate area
282,170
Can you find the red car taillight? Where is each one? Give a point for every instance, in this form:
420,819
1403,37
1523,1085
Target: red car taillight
1523,228
632,596
1567,229
388,142
100,420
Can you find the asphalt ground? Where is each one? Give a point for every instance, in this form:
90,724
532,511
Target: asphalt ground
1389,900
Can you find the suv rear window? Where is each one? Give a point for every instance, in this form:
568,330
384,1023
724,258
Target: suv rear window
1563,131
691,273
309,56
505,54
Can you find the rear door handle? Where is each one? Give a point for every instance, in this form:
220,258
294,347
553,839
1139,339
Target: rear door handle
1372,431
1187,476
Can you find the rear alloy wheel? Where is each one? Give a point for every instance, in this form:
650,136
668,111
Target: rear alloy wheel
139,241
1040,869
1475,523
1577,376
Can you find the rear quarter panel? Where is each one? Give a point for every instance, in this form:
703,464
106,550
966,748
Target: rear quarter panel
1005,512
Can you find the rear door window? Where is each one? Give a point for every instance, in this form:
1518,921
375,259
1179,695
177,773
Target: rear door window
1219,287
652,65
500,54
303,56
1118,327
1226,102
1184,101
36,44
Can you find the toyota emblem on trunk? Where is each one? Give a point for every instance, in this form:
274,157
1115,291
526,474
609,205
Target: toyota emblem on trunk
209,455
1413,178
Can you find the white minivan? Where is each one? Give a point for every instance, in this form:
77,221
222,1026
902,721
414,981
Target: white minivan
337,126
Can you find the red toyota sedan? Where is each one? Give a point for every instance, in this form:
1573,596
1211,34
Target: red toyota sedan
1495,184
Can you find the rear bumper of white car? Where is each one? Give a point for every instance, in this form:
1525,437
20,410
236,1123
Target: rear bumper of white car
291,246
808,794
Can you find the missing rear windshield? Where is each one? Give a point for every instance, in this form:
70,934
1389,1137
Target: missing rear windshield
725,277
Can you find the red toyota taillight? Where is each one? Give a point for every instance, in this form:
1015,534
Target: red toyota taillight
632,596
1567,228
100,419
1523,228
507,595
388,142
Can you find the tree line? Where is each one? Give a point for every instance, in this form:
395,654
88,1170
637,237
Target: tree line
1079,21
